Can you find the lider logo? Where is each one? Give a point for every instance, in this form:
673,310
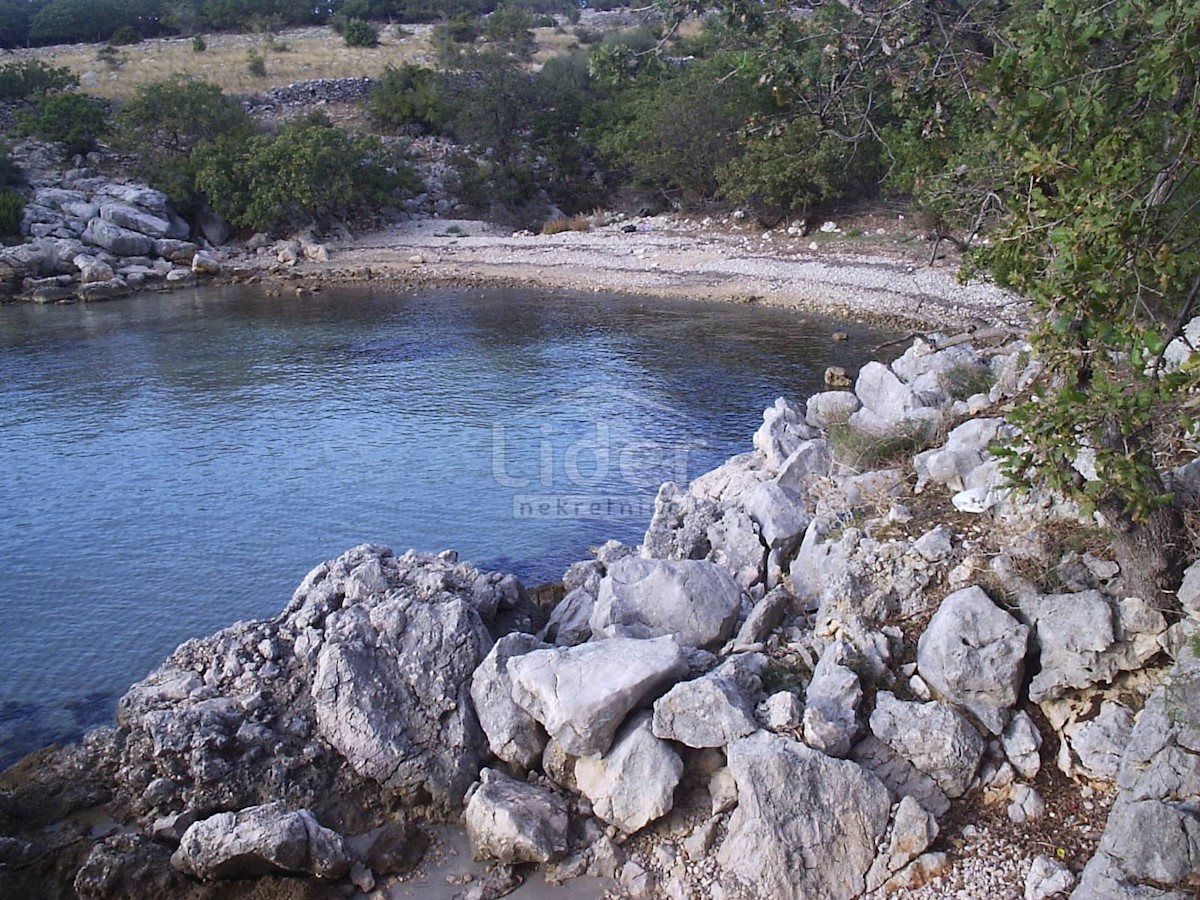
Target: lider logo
592,455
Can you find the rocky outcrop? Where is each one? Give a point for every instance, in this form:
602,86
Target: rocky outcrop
261,840
763,645
91,238
805,825
582,694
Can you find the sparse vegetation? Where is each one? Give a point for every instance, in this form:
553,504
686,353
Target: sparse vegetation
567,223
32,78
358,33
256,65
74,120
862,450
966,380
12,205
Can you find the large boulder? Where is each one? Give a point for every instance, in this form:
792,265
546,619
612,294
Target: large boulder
934,737
515,822
391,693
261,840
134,219
634,782
116,239
782,432
513,735
972,655
1086,638
582,694
372,657
710,711
805,825
695,601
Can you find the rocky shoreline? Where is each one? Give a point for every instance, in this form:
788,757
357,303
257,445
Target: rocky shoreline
848,663
835,667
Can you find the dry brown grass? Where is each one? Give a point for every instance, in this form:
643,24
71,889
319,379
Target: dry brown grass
312,53
572,223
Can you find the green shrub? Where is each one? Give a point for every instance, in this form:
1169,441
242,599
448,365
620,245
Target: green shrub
12,205
199,45
110,56
255,64
75,120
310,172
405,95
358,33
10,173
34,78
966,380
787,170
166,120
124,36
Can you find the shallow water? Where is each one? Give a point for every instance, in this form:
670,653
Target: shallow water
171,464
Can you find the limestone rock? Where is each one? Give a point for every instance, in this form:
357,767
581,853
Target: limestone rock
1026,805
831,704
205,262
513,735
831,408
1047,877
935,738
805,825
912,831
710,711
1099,743
634,782
783,430
131,218
261,840
764,618
582,694
117,240
391,693
515,822
1085,639
1022,741
972,655
695,601
399,847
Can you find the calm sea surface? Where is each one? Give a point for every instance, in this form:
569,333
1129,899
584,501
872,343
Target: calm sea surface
171,464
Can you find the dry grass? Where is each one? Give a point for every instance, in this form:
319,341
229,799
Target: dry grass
573,223
311,53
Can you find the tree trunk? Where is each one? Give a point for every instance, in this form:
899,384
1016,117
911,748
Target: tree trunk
1151,554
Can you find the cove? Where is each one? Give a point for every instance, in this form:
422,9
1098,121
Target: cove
170,464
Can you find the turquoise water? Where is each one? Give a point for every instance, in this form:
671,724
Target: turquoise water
171,464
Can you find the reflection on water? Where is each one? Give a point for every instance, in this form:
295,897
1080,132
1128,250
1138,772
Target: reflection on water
171,464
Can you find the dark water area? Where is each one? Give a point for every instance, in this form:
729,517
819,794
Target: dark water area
170,464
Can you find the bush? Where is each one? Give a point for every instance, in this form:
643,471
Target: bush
110,56
12,205
255,64
199,45
165,121
510,25
124,36
572,223
34,78
358,33
74,120
408,95
310,172
862,450
10,173
793,168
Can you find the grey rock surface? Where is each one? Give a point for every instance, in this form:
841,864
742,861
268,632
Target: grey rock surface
972,654
634,782
831,704
512,734
695,601
261,840
582,694
710,711
805,825
935,738
513,821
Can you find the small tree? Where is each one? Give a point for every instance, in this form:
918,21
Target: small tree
407,95
358,33
32,78
255,64
74,120
310,171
